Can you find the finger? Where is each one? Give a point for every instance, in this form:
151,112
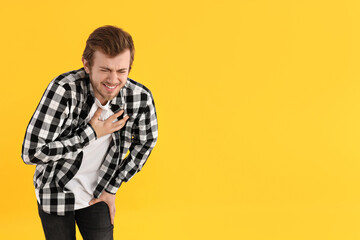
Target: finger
112,215
93,201
123,120
119,124
116,115
112,219
118,127
97,113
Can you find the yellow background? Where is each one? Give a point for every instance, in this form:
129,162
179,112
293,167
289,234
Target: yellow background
258,105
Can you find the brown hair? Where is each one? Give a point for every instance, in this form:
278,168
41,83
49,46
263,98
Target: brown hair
110,40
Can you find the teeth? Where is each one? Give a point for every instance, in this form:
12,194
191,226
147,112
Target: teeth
109,86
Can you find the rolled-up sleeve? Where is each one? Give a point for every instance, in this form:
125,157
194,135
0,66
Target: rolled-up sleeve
145,136
43,141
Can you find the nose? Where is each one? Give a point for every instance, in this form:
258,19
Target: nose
113,76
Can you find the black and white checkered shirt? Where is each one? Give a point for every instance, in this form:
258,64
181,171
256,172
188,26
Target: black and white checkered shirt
59,130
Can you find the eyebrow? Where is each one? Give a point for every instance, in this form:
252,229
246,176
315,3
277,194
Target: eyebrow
121,69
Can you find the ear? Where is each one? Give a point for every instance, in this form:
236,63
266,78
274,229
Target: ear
86,65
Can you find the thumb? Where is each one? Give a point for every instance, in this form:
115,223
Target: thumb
97,114
93,201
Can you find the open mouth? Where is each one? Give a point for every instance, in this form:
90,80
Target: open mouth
109,87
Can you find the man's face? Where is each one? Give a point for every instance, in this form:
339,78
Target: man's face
108,74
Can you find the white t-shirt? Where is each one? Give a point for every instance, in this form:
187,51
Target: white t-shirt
84,182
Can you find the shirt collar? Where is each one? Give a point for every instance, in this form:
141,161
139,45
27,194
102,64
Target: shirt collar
90,90
103,107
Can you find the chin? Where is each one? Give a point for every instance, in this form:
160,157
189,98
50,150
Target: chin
112,97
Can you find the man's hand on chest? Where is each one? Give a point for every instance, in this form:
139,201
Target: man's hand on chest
107,126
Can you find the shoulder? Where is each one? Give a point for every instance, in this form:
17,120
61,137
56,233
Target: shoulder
66,86
138,89
70,84
70,77
141,97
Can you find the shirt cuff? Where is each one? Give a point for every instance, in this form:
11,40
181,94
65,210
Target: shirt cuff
87,134
112,189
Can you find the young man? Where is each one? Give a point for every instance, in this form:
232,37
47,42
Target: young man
85,124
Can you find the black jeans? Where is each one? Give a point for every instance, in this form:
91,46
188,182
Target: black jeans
93,223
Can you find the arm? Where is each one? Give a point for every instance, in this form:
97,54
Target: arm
145,137
43,141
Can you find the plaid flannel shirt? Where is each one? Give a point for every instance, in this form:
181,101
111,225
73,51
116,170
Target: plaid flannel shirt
59,130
